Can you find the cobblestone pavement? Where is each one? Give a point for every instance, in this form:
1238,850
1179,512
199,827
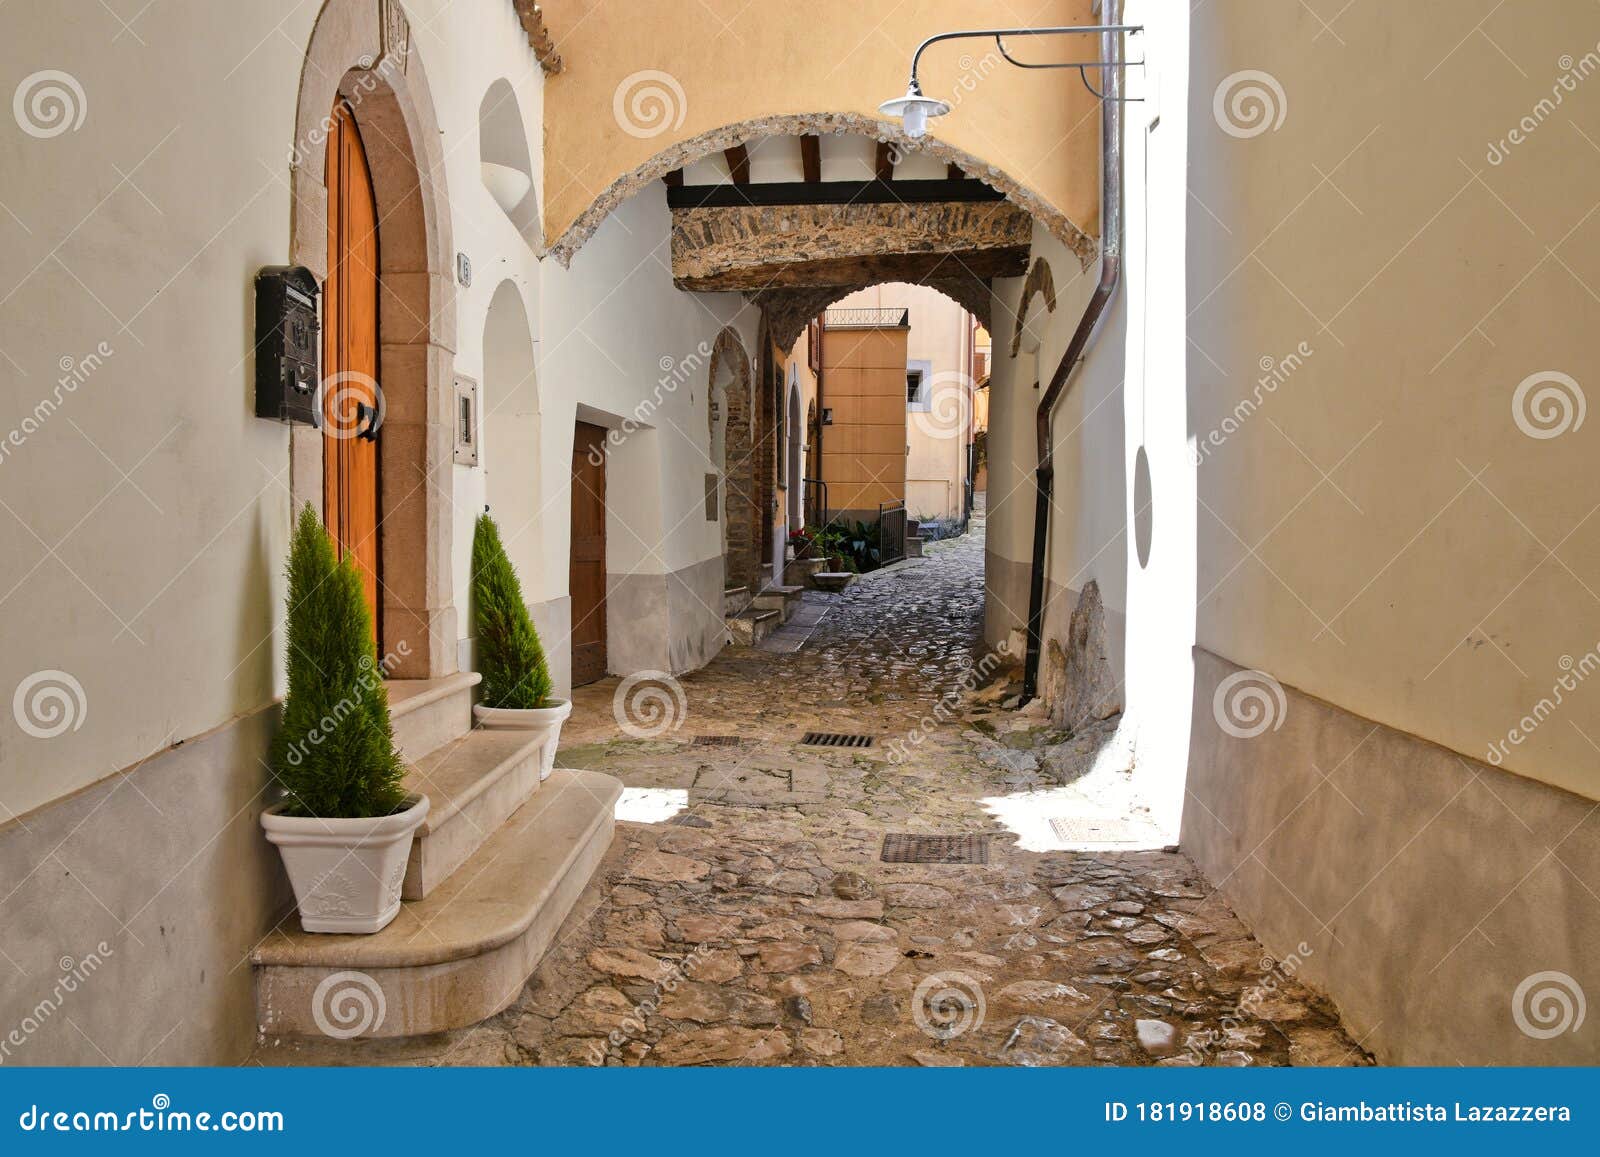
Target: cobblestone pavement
760,926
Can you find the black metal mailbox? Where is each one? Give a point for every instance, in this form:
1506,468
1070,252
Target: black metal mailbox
288,344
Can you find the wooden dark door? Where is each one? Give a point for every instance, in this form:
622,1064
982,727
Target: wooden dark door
350,356
587,573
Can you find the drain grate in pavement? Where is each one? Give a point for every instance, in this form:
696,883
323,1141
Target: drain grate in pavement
835,739
1096,829
899,848
716,741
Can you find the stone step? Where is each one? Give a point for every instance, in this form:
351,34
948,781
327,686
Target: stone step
462,954
735,599
783,599
429,713
832,580
474,783
801,569
751,625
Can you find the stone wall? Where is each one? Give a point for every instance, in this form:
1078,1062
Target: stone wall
760,246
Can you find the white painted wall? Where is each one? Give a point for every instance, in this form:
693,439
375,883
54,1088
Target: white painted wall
620,338
1127,395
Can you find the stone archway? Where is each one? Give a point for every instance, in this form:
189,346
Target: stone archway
361,50
731,448
804,124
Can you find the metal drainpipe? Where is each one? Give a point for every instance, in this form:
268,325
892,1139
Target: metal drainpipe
1110,277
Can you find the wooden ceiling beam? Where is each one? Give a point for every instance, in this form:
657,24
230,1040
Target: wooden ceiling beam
811,157
738,164
884,165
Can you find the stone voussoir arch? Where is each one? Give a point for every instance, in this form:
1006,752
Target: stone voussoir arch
804,124
727,352
1038,281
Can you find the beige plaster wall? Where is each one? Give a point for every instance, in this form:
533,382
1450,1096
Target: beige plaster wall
146,518
1394,529
674,71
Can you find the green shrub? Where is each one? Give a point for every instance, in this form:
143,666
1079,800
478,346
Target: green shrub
334,753
515,674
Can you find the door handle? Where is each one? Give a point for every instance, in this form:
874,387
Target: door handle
366,422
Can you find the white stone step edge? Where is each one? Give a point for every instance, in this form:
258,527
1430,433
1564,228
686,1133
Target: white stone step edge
428,713
458,825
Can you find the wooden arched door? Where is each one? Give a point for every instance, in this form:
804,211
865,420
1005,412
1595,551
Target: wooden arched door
351,411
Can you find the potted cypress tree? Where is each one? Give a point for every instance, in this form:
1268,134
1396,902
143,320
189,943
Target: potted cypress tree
345,822
515,693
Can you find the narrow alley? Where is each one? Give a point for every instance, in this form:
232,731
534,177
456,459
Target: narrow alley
747,915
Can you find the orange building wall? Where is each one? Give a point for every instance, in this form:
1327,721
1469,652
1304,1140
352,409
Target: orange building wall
864,450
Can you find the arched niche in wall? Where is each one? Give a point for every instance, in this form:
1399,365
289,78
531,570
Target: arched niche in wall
504,163
511,430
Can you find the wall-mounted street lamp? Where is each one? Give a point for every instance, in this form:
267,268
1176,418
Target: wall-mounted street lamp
914,109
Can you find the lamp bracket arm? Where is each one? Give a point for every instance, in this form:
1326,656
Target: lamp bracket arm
998,33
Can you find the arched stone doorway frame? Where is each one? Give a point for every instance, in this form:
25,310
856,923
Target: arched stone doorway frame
361,50
731,427
794,466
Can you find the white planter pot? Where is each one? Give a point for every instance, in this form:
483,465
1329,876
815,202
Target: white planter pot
545,719
346,874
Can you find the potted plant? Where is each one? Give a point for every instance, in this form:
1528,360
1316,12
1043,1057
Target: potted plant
345,822
515,693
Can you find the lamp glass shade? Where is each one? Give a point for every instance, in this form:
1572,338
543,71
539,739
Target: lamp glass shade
914,110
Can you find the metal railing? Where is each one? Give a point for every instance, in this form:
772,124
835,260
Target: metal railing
891,532
889,317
